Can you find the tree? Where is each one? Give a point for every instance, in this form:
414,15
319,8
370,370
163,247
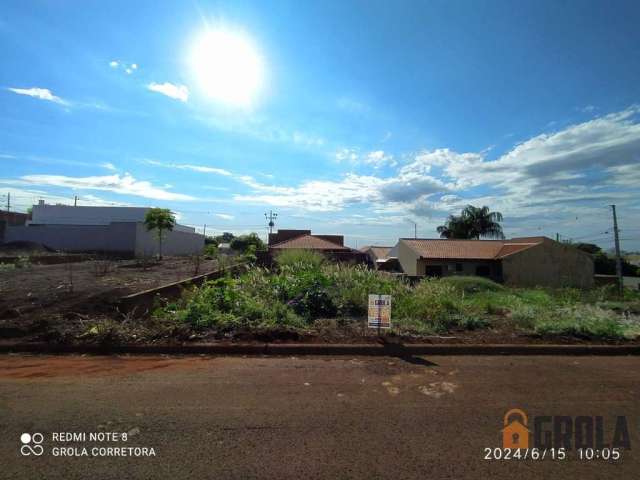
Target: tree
591,248
454,227
161,220
605,264
244,242
472,223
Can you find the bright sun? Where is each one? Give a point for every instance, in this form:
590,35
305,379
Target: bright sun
227,66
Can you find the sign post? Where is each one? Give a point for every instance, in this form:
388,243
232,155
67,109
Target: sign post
379,312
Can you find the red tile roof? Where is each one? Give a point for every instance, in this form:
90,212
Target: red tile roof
380,252
309,242
468,249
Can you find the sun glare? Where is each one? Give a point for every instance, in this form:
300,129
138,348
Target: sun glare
227,67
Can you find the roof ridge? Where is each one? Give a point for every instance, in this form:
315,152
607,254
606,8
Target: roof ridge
291,238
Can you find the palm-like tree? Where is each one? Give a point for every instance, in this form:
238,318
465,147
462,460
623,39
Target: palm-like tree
454,227
473,223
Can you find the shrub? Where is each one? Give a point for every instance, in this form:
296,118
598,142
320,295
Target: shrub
300,259
211,250
583,322
351,287
430,301
472,284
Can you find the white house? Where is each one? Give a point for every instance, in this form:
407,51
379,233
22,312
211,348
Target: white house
118,230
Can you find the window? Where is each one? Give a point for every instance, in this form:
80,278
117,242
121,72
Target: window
483,271
458,267
433,270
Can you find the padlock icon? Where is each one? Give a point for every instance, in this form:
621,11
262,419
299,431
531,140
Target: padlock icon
515,434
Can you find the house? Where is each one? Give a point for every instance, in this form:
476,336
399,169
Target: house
11,219
528,261
115,230
331,246
381,257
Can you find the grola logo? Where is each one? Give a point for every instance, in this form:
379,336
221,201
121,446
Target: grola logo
562,431
31,444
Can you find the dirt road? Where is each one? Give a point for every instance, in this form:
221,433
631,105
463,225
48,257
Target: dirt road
333,418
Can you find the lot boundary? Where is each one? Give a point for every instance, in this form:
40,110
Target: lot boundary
321,349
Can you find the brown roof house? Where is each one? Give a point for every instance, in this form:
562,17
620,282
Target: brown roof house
331,246
528,261
380,257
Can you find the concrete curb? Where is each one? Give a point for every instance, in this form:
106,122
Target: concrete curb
322,349
140,303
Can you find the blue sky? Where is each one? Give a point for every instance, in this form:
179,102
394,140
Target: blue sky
344,117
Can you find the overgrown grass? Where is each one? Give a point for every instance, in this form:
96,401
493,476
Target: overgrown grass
305,290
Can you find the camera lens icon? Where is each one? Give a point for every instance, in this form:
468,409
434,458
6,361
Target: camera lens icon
31,444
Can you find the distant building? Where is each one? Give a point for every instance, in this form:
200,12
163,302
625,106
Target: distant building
382,258
115,230
527,261
331,246
11,219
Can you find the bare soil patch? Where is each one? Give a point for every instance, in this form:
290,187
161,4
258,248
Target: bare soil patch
37,297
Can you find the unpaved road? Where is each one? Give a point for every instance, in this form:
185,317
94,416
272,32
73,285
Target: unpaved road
329,418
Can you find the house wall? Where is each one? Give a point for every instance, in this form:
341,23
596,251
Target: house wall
408,259
10,218
469,267
114,238
550,264
68,215
173,243
124,238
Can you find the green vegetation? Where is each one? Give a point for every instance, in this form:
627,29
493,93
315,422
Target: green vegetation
472,223
605,264
160,220
248,243
305,293
211,250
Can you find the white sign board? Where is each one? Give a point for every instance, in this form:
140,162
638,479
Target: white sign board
379,311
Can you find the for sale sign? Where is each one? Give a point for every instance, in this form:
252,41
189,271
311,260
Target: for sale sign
379,311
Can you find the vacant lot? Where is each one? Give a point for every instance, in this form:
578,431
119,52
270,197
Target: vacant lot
312,299
52,293
303,299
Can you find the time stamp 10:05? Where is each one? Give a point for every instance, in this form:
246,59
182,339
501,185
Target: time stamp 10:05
585,454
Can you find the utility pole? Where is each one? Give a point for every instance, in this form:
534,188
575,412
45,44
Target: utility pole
75,200
8,201
617,243
271,217
204,230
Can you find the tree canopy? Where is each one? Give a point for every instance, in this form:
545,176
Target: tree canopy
160,220
244,242
472,223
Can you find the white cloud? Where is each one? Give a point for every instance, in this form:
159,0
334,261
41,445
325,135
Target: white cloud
109,166
378,158
41,93
550,172
186,166
123,184
224,216
347,154
23,198
114,64
178,92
